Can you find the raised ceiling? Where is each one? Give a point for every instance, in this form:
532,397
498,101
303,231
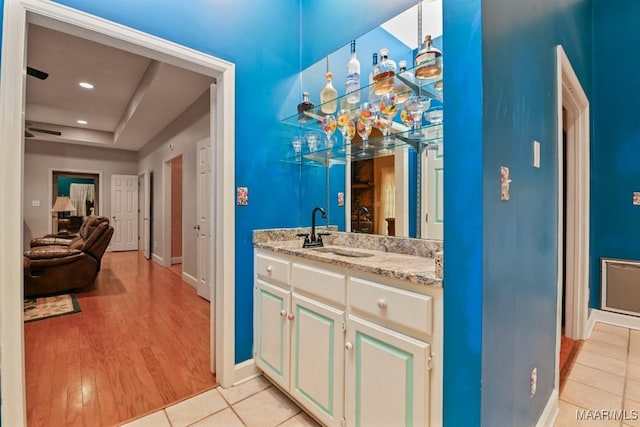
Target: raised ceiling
133,98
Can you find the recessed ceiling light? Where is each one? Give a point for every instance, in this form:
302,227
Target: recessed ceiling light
82,122
86,85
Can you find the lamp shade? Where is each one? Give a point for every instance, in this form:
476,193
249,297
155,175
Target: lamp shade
63,204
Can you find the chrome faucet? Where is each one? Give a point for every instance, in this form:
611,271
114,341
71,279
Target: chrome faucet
314,240
361,210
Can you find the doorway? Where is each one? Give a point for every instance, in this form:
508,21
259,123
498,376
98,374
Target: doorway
84,191
573,207
17,14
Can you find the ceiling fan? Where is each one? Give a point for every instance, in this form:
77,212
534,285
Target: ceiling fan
38,74
29,129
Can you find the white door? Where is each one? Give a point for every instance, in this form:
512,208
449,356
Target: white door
146,215
124,212
387,379
317,359
203,226
432,197
272,332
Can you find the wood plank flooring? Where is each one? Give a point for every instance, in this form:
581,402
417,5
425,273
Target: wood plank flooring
140,343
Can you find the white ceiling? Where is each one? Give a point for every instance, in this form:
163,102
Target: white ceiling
134,98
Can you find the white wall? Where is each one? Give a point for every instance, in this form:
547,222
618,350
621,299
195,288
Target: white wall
179,138
41,157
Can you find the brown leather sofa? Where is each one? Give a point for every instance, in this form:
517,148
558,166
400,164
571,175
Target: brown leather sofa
55,264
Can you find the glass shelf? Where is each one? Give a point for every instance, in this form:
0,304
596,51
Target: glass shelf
310,123
427,137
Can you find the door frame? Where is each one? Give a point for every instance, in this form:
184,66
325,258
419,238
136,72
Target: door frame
572,97
144,214
17,14
52,171
166,207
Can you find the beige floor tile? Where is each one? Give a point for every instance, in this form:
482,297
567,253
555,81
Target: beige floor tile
604,327
300,420
224,418
589,397
633,371
605,349
597,378
574,416
632,391
268,408
613,366
244,390
196,408
157,419
610,338
631,413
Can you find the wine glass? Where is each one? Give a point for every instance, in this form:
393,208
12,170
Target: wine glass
364,125
406,117
346,126
296,143
329,127
312,142
415,106
388,110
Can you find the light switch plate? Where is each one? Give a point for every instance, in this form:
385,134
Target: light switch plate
536,154
340,198
242,194
504,183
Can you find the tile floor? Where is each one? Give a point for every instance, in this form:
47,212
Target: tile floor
605,381
254,403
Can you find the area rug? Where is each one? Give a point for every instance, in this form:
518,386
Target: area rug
46,307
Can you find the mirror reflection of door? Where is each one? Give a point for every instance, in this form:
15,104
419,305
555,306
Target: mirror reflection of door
373,192
82,190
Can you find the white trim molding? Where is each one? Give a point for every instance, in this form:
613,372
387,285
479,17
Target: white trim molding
611,318
187,278
17,14
550,411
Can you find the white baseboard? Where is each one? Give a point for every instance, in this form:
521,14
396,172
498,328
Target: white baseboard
616,319
245,371
157,258
550,412
186,277
176,260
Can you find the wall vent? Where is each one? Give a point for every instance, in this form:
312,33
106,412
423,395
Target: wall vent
620,286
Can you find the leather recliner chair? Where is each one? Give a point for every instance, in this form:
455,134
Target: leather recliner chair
55,265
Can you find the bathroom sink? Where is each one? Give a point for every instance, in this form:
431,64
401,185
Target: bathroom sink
344,252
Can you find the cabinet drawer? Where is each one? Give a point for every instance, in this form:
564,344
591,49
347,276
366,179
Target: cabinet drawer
318,282
272,269
392,306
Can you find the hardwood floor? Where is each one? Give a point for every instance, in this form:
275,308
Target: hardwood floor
140,343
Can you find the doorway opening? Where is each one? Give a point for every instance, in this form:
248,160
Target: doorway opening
573,209
83,188
17,15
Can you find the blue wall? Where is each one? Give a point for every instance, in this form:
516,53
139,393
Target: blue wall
519,247
615,175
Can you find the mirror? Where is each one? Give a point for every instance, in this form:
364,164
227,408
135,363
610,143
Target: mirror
397,191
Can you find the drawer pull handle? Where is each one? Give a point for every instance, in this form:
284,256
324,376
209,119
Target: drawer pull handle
382,304
290,316
283,313
269,269
348,346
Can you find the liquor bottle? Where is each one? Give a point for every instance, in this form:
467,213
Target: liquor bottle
353,77
328,95
428,62
383,73
304,106
402,91
372,95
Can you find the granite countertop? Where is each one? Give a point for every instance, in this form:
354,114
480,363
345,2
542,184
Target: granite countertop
382,261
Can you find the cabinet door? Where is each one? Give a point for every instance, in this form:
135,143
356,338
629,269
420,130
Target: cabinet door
272,332
317,364
387,378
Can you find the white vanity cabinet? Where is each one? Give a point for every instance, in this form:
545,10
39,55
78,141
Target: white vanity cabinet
352,349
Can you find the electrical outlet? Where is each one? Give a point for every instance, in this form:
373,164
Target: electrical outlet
533,382
504,183
341,199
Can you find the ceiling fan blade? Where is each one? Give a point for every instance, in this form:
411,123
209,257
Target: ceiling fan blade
37,73
50,132
28,134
